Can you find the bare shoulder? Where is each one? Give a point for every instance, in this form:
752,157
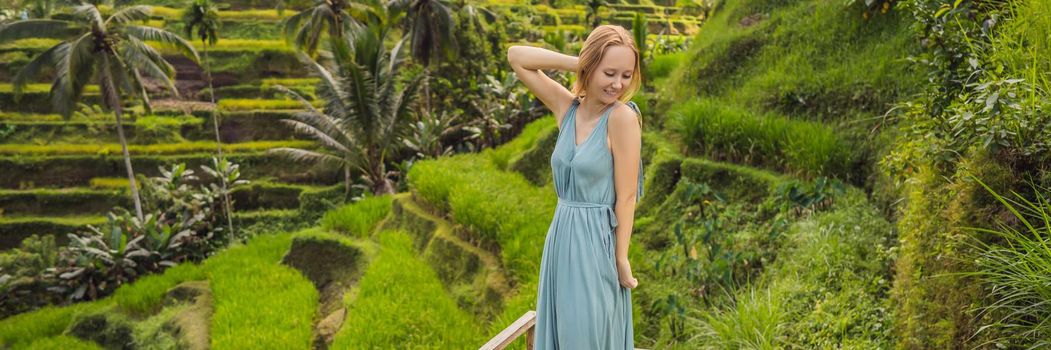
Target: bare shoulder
624,121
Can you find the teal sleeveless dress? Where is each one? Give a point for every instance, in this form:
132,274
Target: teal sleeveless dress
580,302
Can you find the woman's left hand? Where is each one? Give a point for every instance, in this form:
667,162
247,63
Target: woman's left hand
624,274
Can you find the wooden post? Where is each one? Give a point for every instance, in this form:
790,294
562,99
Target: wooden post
529,338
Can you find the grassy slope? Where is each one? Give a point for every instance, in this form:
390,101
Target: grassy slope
270,304
400,300
809,61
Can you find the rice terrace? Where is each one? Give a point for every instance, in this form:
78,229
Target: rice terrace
333,174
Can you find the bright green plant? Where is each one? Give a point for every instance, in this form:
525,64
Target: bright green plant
358,218
807,198
425,135
98,262
506,101
1017,271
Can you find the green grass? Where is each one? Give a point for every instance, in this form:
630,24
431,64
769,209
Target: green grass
62,342
826,289
110,183
503,155
231,45
267,304
400,300
500,207
155,149
358,219
19,331
258,301
663,65
145,295
721,131
244,104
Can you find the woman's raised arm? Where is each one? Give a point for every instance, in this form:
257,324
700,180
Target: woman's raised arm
528,61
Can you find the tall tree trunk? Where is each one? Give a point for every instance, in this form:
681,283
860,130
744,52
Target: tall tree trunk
346,181
114,101
427,89
218,141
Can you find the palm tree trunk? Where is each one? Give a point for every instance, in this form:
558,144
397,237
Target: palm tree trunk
346,181
114,103
218,141
427,89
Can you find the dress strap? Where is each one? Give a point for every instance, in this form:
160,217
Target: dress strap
572,108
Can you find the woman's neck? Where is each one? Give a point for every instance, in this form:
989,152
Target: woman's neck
592,105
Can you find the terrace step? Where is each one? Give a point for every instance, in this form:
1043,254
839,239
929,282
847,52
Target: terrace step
474,276
234,127
261,195
14,229
26,171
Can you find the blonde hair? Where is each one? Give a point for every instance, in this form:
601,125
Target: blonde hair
594,49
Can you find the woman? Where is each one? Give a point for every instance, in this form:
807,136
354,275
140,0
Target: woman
584,296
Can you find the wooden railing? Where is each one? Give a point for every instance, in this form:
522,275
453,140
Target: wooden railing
524,325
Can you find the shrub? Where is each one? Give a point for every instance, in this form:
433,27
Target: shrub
185,223
663,65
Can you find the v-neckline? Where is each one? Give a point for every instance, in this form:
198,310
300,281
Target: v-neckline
593,129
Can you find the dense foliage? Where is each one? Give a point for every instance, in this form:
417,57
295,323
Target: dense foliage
185,223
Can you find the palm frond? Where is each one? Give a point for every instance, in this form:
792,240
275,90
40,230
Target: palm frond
293,25
32,69
73,71
361,91
307,156
395,55
165,37
90,14
130,14
142,57
401,108
37,28
328,88
334,127
317,134
306,104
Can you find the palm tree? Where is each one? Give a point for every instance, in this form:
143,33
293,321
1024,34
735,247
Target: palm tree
431,24
203,16
110,52
335,17
592,12
363,111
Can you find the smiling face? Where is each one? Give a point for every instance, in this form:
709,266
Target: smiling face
613,74
608,67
